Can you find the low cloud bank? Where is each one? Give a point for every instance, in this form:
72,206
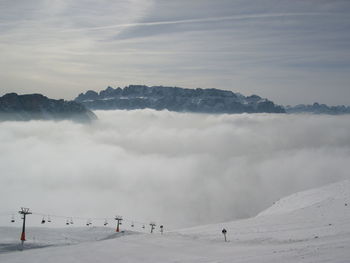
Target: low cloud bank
176,168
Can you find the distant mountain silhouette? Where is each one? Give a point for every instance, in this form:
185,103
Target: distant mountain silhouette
39,107
176,99
317,108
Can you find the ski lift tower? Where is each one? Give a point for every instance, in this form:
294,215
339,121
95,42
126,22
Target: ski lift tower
119,220
24,212
152,224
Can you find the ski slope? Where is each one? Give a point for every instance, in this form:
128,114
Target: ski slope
39,237
310,226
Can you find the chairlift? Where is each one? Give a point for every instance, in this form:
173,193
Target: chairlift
12,219
71,221
67,222
48,219
105,223
143,226
132,224
43,220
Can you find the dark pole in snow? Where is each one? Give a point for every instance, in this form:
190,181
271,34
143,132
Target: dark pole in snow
224,233
24,211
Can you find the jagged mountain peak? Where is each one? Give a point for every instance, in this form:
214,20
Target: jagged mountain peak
176,99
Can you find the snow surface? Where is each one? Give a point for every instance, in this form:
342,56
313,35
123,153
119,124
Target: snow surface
310,226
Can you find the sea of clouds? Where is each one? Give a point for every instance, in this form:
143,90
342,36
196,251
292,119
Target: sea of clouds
179,169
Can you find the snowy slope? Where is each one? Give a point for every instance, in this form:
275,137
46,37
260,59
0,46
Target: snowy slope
328,197
38,237
310,226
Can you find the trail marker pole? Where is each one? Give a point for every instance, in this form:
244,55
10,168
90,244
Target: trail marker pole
224,231
24,212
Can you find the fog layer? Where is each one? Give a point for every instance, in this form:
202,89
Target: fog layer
176,168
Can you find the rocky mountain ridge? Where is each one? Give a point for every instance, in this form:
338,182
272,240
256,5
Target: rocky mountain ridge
176,99
317,108
39,107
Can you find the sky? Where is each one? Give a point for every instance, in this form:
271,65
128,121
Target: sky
178,169
288,51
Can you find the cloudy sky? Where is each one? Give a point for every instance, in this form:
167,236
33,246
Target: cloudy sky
289,51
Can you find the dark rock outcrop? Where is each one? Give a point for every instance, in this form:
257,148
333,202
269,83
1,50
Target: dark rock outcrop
39,107
176,99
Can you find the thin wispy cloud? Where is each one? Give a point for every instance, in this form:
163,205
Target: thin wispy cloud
199,20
